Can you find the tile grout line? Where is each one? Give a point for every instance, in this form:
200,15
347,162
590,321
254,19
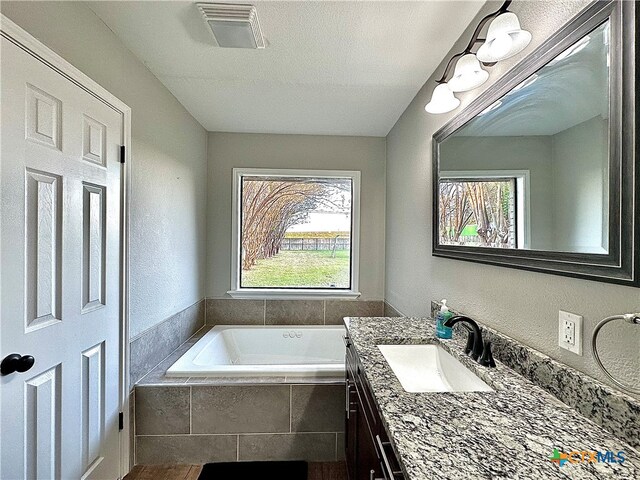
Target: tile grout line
287,381
264,312
237,448
190,410
233,434
290,408
324,312
336,452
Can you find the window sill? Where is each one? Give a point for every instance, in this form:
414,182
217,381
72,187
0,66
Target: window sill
292,294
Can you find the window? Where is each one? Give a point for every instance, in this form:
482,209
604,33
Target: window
295,233
484,209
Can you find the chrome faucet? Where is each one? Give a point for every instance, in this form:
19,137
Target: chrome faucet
476,348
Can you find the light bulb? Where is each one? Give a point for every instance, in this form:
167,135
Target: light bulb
468,74
501,45
505,39
442,100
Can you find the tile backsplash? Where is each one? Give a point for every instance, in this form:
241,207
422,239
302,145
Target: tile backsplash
391,311
230,311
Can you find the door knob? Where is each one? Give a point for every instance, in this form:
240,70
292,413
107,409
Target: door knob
16,363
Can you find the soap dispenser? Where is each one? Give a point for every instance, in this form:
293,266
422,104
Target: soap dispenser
443,316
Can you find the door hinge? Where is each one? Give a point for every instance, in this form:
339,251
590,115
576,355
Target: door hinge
121,421
122,153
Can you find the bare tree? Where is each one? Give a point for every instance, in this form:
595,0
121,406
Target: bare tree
481,203
270,207
455,213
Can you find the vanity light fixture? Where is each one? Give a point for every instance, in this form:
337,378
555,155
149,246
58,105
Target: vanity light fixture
468,74
442,100
504,39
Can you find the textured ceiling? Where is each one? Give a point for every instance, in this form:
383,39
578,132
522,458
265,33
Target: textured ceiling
334,68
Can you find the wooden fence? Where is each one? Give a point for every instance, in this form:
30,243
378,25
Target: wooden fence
316,244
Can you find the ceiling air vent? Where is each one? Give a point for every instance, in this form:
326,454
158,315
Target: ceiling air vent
233,25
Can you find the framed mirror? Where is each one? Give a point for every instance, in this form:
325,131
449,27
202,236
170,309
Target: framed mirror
540,172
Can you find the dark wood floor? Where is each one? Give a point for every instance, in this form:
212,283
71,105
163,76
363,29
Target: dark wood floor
317,471
164,472
327,471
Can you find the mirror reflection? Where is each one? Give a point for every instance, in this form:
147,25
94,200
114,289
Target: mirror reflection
532,170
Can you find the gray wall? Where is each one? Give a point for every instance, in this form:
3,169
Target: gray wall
234,150
521,304
510,153
580,194
168,198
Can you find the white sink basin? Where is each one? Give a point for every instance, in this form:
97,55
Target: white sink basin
430,368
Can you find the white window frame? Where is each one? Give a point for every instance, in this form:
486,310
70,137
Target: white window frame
237,291
523,200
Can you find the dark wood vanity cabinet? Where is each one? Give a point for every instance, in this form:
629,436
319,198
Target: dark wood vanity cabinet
368,452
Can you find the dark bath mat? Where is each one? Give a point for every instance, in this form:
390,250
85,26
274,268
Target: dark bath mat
254,470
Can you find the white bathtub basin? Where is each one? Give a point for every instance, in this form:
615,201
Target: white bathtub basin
430,368
230,351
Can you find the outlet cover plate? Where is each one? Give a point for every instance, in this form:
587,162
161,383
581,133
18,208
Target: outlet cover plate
570,332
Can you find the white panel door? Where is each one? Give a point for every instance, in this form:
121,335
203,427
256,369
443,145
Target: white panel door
59,274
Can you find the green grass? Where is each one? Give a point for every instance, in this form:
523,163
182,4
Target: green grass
469,231
300,269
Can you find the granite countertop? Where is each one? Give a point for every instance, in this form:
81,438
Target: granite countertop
506,434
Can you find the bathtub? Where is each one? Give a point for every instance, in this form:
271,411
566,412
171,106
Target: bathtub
231,351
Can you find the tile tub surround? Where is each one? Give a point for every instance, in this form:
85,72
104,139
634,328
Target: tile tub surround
391,311
315,417
156,344
150,347
612,409
232,311
194,423
509,433
157,376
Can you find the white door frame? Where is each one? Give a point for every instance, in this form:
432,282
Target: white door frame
41,52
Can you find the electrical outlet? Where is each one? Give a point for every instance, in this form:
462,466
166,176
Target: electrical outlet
570,332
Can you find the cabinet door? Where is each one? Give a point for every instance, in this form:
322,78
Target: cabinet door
351,413
351,429
367,458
